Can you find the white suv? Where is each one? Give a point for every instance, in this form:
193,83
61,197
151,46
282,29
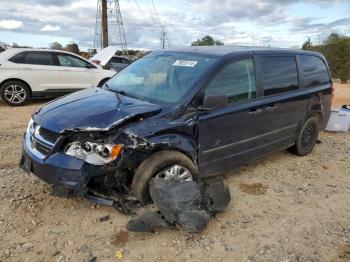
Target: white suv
26,73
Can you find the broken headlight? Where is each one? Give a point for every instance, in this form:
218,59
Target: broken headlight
94,153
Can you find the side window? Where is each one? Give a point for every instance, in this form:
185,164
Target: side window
236,80
115,60
18,58
38,58
279,75
71,61
315,71
125,61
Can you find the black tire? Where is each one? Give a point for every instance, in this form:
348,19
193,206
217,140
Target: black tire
14,93
102,82
307,137
152,166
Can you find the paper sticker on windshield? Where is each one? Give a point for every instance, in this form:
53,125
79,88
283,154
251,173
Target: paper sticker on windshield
188,63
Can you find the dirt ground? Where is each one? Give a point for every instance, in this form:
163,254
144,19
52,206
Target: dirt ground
283,208
342,95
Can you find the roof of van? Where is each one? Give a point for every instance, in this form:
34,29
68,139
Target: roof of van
227,49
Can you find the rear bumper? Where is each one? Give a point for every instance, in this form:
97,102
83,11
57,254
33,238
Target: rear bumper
67,175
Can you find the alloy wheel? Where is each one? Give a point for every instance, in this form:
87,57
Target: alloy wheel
176,173
15,94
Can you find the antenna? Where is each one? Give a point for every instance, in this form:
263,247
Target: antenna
109,28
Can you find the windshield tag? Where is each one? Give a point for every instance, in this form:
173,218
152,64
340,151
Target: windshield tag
185,63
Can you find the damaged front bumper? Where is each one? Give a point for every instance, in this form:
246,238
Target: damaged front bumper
67,175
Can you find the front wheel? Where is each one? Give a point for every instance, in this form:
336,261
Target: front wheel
169,165
14,93
307,137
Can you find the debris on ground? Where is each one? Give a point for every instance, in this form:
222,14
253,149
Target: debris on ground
185,205
339,120
104,218
147,220
126,204
119,254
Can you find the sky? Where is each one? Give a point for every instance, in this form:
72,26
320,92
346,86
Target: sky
277,23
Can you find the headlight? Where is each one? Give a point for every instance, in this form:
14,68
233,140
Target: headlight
94,153
30,127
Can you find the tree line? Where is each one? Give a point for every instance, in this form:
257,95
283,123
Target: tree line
336,49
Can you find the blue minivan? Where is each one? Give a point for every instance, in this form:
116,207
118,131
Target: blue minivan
180,115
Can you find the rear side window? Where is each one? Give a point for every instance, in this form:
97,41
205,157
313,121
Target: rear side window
279,75
315,71
38,58
236,80
125,61
116,60
18,58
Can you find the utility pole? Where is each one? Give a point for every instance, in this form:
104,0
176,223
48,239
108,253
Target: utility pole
162,36
104,24
109,28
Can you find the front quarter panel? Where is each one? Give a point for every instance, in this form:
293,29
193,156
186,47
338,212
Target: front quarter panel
101,74
144,138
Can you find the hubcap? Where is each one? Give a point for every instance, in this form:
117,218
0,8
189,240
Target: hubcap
176,173
308,136
15,94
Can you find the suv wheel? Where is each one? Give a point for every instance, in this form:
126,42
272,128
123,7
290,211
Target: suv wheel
14,93
307,137
169,165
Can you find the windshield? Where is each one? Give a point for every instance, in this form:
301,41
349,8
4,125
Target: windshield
161,77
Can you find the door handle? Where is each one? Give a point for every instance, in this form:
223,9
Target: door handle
66,70
255,111
271,108
27,68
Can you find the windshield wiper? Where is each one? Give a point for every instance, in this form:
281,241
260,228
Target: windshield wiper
121,92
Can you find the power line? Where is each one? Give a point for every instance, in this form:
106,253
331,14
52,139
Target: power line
155,11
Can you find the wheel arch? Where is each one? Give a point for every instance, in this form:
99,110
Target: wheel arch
104,80
317,111
137,151
20,80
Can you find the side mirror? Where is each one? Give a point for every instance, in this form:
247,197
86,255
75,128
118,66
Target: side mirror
214,101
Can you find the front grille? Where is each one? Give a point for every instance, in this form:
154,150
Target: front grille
48,135
42,140
41,148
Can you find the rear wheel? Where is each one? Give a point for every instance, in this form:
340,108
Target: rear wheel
307,137
14,93
169,165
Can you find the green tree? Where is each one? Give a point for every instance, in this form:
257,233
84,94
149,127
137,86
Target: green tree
207,41
56,45
307,45
336,49
73,48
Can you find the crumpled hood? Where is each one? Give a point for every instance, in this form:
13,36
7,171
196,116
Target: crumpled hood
92,109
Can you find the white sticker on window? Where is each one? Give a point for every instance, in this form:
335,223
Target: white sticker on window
185,63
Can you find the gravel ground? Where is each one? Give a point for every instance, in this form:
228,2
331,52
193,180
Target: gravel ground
283,208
